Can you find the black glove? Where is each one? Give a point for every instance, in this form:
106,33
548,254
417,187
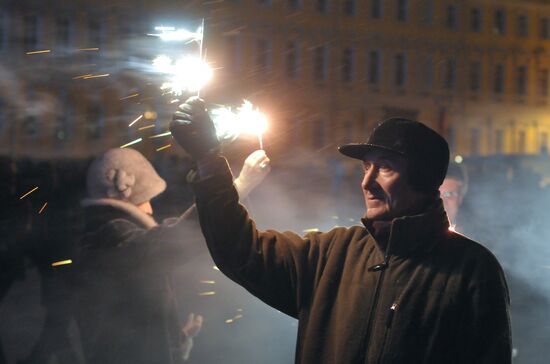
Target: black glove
193,129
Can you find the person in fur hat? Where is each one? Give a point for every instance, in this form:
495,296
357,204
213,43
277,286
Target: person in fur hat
125,303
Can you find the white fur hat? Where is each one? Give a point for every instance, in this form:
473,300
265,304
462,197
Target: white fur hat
123,174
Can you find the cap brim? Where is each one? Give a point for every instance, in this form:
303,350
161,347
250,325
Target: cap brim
359,150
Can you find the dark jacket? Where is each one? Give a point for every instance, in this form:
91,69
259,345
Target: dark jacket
125,303
433,296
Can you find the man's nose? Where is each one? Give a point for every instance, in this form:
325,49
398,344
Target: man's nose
369,179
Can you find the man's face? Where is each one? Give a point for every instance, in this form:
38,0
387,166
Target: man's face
386,189
451,194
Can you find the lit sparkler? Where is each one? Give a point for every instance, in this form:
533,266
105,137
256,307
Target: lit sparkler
185,74
171,34
247,120
28,193
138,140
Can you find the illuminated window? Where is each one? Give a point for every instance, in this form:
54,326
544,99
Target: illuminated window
475,76
521,80
374,68
475,20
292,60
349,7
544,28
499,22
498,81
320,63
376,9
402,10
400,70
543,82
452,17
347,65
30,32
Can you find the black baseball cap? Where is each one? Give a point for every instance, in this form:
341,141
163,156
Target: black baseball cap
426,151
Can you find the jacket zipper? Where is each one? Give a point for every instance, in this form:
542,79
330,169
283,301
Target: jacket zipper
389,321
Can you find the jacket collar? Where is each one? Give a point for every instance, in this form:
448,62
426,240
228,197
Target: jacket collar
415,233
139,216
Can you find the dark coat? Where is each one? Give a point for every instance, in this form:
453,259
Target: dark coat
125,304
433,296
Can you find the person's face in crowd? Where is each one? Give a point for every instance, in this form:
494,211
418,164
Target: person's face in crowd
386,189
451,194
146,207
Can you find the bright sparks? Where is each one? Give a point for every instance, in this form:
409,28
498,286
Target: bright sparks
43,207
127,97
164,147
28,193
38,52
138,140
231,320
186,74
247,120
147,127
208,282
135,120
210,293
62,262
160,135
171,34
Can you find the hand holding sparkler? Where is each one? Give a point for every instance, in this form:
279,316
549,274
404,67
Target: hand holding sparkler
194,130
255,168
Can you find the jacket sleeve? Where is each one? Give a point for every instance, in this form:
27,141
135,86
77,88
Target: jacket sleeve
279,268
488,317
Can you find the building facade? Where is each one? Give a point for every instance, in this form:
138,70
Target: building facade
325,71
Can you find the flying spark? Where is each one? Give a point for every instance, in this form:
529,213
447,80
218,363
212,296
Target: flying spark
28,193
313,230
82,76
171,34
209,293
136,120
164,147
88,49
131,143
208,282
160,135
62,262
43,207
96,76
38,52
231,320
147,127
127,97
215,267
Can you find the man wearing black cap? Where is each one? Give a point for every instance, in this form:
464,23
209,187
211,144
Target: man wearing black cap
403,288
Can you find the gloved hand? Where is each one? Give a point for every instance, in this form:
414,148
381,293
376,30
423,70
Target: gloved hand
255,168
193,129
